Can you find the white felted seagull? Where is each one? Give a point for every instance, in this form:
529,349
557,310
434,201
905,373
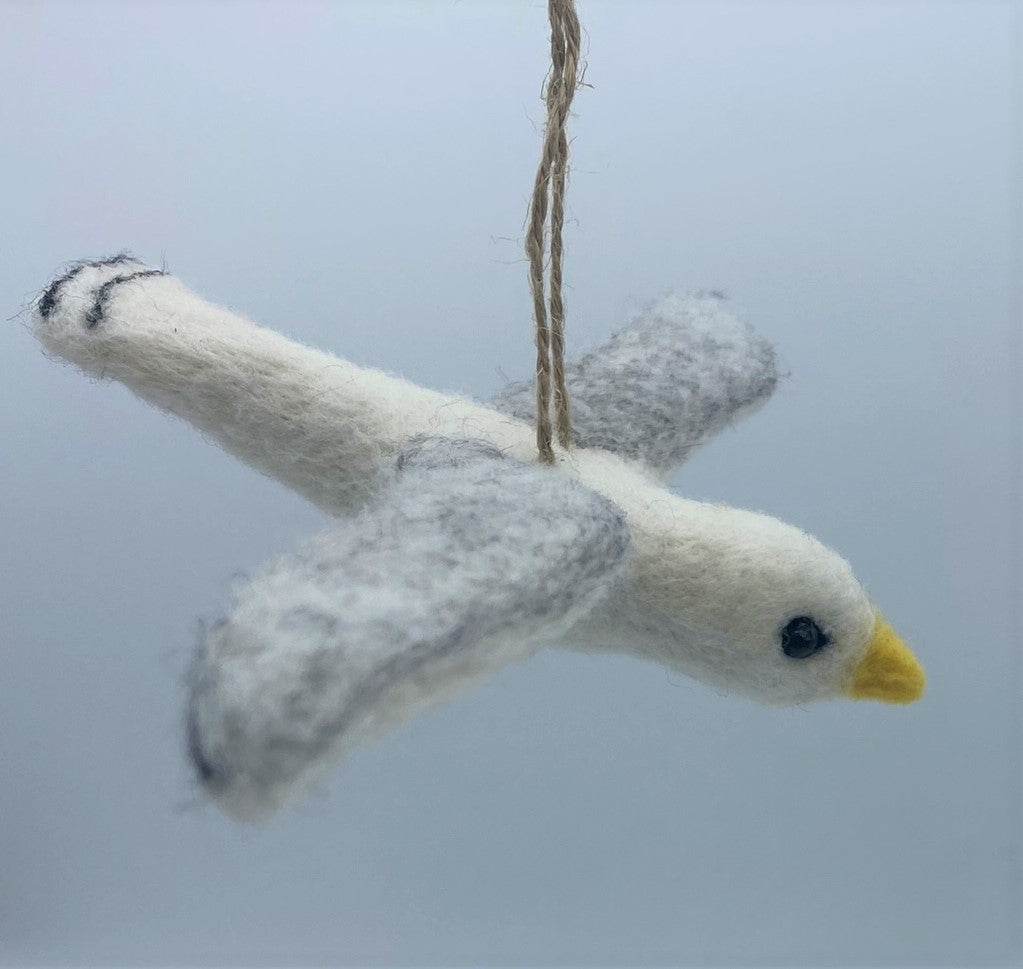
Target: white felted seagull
454,552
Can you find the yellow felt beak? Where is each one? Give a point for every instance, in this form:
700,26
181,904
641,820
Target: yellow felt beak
888,671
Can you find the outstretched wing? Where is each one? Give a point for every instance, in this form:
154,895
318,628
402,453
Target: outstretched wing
319,424
469,561
680,372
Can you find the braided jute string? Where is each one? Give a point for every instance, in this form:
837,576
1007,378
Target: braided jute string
550,179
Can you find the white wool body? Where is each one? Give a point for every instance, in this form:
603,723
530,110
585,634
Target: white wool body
708,587
709,590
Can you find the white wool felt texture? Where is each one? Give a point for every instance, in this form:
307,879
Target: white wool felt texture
706,588
681,371
709,590
315,422
468,562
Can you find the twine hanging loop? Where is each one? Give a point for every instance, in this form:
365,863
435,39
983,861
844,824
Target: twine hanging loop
549,199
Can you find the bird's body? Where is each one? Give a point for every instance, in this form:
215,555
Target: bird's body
725,595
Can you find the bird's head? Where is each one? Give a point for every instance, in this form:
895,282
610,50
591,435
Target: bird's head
752,605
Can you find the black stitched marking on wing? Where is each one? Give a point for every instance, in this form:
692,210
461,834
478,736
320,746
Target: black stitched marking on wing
94,315
52,294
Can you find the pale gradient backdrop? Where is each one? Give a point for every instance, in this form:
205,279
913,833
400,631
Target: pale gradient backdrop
356,175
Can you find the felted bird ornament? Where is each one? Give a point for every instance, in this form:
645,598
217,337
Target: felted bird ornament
453,551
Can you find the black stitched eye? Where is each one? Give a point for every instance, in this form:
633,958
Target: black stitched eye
802,637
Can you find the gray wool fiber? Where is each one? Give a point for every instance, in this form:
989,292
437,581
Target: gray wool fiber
468,562
682,370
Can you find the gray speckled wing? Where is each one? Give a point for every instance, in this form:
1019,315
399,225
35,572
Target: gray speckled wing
680,372
469,561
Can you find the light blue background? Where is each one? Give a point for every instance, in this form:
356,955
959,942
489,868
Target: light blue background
356,175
